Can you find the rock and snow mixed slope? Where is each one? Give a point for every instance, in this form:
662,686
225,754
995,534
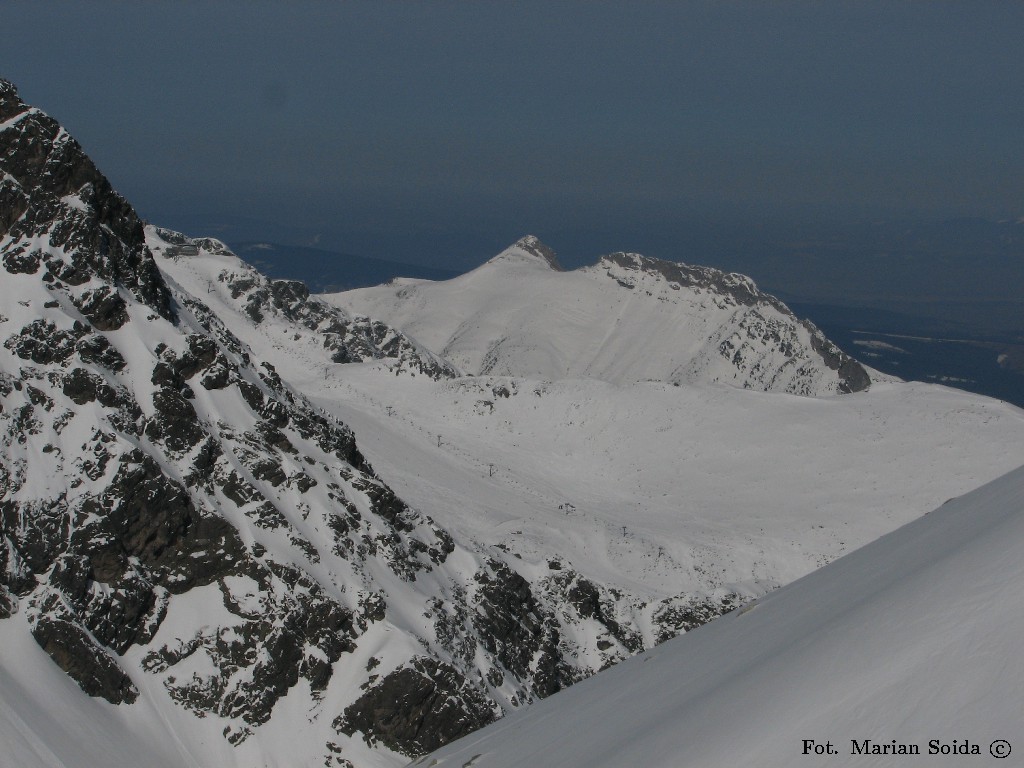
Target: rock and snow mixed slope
913,640
178,526
627,318
188,527
280,313
181,530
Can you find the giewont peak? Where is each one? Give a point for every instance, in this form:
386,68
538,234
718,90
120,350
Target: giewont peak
530,248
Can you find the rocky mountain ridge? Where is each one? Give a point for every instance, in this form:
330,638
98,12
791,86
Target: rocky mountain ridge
124,484
337,336
755,326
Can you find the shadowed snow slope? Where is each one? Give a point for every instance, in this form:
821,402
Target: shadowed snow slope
912,638
625,319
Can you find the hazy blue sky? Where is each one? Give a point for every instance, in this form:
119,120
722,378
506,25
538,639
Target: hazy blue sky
412,131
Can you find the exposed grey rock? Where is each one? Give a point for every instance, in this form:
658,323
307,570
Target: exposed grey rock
83,387
88,664
42,342
417,708
98,564
96,348
104,236
105,309
514,627
21,262
176,422
677,615
300,633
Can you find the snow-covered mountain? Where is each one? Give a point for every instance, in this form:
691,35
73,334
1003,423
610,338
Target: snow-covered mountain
627,318
240,525
911,643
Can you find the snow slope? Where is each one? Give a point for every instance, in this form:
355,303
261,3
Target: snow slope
913,638
718,489
625,319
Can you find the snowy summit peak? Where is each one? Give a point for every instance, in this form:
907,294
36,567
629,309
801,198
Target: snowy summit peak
530,248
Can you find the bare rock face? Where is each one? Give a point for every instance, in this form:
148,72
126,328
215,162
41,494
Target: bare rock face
533,246
52,189
90,665
417,708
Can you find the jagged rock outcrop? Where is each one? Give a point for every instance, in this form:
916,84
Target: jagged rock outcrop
532,246
124,481
51,189
417,708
